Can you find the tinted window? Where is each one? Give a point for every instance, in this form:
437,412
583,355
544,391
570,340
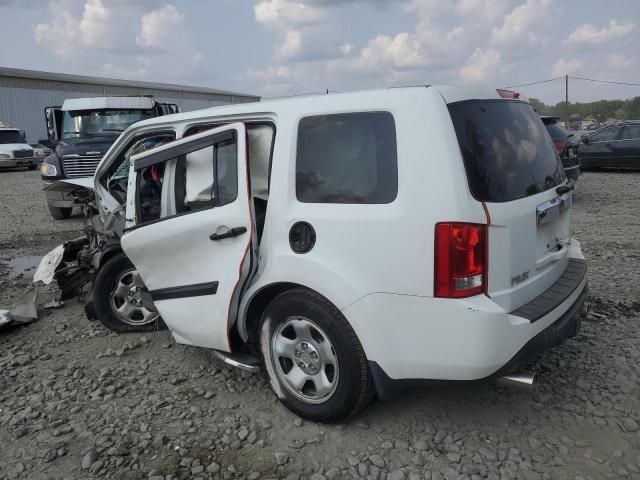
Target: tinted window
347,158
557,131
631,132
507,154
11,136
605,135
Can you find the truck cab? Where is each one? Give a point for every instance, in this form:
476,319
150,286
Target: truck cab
14,149
83,130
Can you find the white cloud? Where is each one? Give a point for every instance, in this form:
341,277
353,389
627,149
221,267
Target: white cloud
346,48
291,46
588,34
619,61
157,26
480,65
66,34
521,20
400,51
286,12
488,9
566,67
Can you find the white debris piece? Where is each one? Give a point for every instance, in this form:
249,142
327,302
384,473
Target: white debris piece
48,265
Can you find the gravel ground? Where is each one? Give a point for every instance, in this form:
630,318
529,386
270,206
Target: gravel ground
79,402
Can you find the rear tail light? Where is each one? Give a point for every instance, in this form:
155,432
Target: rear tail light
461,259
560,146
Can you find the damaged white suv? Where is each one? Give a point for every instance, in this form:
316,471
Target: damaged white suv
346,241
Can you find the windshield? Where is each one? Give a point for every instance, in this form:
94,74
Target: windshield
11,136
91,123
507,153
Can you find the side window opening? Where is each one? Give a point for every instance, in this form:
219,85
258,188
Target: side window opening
261,137
117,178
202,179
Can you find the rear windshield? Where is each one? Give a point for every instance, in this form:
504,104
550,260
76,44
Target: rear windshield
506,150
557,131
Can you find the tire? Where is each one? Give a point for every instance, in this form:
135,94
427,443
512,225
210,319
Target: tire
59,213
298,317
32,167
117,272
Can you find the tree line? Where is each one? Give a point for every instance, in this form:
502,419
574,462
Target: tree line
600,110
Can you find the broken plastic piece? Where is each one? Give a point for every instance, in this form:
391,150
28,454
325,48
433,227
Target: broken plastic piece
25,310
55,303
47,268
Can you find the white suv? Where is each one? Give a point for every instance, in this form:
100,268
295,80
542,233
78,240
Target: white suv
348,240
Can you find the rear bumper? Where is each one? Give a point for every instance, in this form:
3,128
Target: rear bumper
409,337
573,172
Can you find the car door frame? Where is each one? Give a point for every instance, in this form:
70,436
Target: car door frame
600,153
170,151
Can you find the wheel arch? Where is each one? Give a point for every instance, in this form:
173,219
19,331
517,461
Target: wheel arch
249,321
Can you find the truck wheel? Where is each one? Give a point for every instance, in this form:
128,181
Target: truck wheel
32,167
119,298
60,213
315,362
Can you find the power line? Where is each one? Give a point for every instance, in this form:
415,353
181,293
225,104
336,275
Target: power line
605,81
536,83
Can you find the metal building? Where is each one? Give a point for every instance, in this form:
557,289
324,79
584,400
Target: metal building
25,93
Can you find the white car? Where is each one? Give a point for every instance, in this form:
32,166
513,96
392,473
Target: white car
15,151
347,241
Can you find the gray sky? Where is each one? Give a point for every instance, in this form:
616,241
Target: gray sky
282,47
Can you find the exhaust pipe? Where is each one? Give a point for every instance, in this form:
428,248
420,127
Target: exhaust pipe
525,380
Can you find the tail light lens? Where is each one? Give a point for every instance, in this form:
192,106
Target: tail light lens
560,146
461,256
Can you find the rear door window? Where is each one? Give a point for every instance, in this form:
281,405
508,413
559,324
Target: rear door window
347,158
506,150
631,132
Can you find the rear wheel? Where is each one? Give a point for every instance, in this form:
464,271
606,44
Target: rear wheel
314,360
122,302
59,213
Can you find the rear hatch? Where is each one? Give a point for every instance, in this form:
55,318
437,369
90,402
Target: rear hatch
514,169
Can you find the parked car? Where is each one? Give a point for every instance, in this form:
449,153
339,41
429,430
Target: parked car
566,144
41,151
14,149
614,146
345,241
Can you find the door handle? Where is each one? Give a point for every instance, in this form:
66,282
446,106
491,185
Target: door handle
234,232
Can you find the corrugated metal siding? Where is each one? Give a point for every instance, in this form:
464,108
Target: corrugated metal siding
22,101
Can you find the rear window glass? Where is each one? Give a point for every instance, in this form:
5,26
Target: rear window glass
506,151
557,131
347,158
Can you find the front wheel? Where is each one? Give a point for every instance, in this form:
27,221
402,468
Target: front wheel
315,362
122,302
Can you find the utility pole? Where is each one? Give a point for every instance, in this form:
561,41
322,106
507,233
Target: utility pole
566,97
